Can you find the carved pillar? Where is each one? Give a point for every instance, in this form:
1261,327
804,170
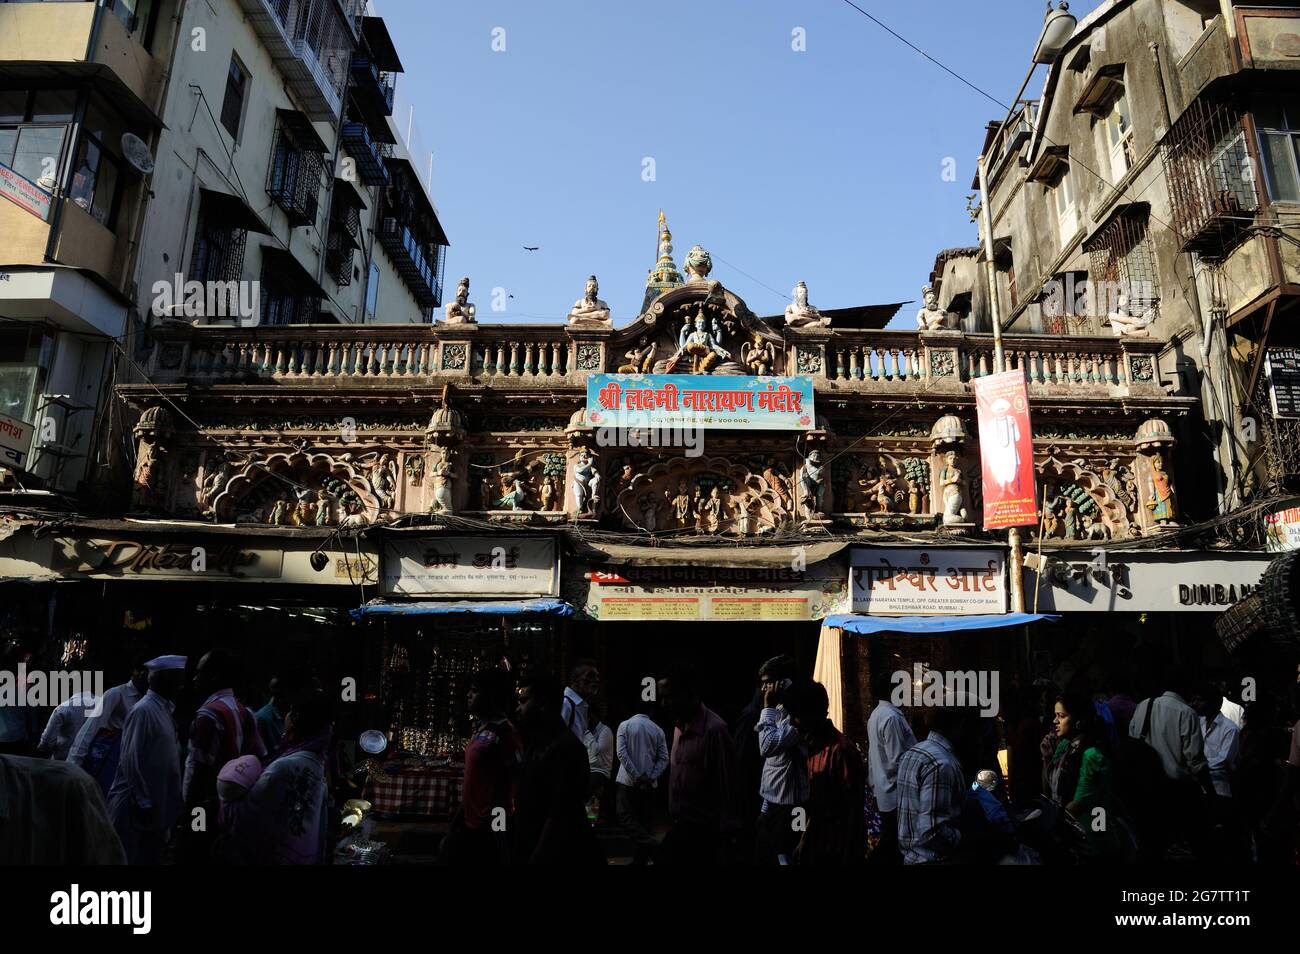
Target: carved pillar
151,432
444,479
950,496
1153,469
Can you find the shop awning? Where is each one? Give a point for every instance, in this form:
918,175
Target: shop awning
768,557
930,625
544,607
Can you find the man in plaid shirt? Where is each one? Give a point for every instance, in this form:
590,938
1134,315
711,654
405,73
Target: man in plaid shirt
932,792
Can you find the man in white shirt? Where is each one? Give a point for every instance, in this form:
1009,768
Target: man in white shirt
145,800
584,685
1173,729
98,742
599,741
65,722
643,758
1222,747
888,736
783,782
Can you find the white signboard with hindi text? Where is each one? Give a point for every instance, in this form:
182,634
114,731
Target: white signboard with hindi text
432,566
15,442
942,581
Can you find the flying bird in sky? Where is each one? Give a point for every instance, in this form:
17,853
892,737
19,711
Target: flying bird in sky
531,248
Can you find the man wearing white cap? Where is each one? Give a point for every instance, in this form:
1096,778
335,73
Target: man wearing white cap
145,799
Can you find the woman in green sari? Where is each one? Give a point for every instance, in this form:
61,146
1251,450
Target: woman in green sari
1079,775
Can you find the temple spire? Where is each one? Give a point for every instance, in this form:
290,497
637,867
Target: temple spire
664,275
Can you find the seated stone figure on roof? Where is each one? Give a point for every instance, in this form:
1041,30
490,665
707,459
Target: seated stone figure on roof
932,317
799,313
589,308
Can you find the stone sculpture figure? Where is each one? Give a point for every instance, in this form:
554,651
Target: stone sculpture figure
649,508
548,494
586,485
812,480
932,317
778,479
442,476
698,264
589,308
513,499
460,311
701,345
799,313
324,509
1070,523
213,485
640,358
1127,325
952,489
280,512
759,356
713,509
681,504
1160,495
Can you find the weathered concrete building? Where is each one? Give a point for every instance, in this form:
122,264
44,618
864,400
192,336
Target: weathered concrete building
1151,189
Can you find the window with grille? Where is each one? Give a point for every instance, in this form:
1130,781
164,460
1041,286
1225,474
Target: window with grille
294,178
287,298
218,246
1123,262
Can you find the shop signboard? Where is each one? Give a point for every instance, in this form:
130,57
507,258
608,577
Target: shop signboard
1282,528
941,581
1282,370
101,558
430,566
645,401
24,193
1006,450
1159,581
15,442
716,594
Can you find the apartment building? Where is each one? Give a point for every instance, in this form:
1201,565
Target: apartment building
1154,184
164,161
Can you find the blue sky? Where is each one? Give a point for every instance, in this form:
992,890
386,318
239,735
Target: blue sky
824,165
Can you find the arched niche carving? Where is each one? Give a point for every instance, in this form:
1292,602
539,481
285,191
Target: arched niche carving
679,495
1080,504
290,488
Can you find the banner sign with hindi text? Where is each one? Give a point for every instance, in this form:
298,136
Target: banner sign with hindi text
1006,450
24,193
630,401
951,581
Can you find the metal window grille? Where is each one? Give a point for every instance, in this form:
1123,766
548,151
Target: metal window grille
286,301
218,247
1121,257
293,180
1212,191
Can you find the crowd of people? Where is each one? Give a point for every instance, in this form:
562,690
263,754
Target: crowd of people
1086,777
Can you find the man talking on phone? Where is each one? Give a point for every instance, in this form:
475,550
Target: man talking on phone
783,784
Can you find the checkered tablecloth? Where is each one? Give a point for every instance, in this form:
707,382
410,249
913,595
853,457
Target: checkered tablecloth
417,792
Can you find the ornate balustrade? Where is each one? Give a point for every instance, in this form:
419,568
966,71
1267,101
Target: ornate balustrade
867,361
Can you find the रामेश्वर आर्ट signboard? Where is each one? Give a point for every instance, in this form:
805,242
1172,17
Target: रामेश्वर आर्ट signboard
941,581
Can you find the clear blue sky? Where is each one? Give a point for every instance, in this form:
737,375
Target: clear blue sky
824,165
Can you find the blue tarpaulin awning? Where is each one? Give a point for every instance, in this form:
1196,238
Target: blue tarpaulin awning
930,625
546,607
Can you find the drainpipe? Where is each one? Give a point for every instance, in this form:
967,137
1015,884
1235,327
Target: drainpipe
999,365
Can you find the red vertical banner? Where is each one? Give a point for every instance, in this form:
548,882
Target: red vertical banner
1006,450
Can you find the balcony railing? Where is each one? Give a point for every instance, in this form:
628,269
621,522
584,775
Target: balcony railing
311,44
904,361
376,88
366,153
1212,192
415,262
885,363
